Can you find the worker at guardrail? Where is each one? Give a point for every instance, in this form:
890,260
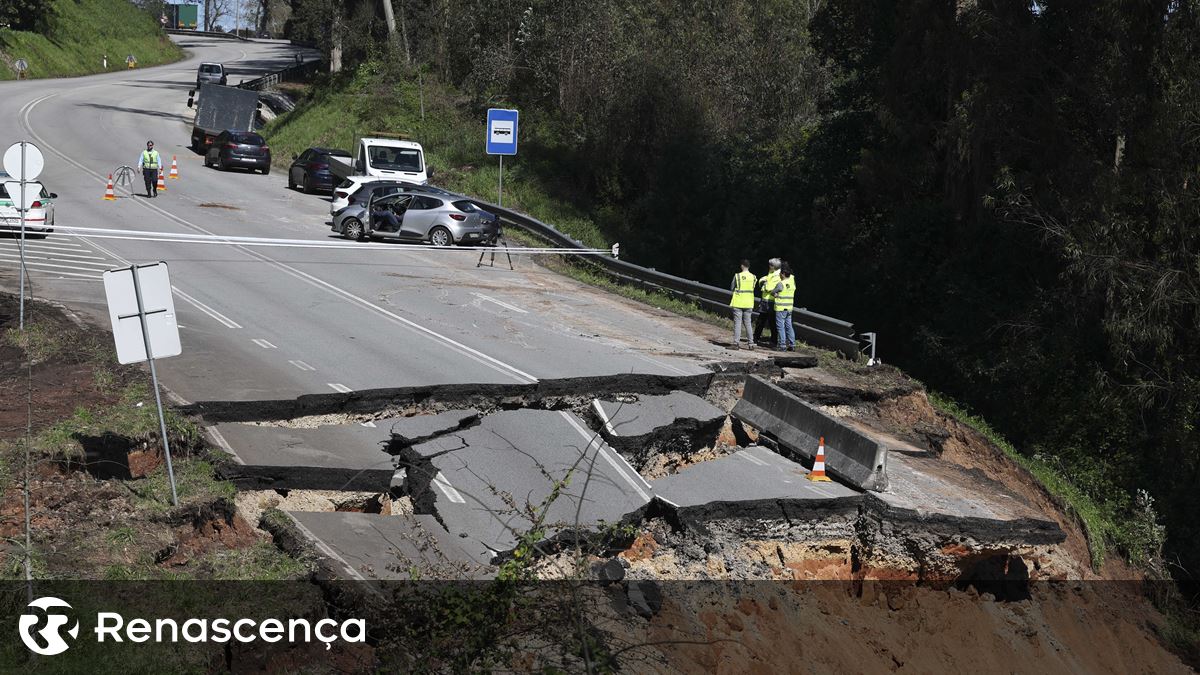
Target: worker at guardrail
742,303
766,306
150,163
784,294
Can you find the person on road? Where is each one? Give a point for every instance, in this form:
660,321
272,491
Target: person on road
784,294
766,308
742,304
150,164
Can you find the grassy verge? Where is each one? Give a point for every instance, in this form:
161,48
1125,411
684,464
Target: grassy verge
80,34
1132,529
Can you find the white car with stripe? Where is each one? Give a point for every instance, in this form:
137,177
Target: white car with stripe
39,219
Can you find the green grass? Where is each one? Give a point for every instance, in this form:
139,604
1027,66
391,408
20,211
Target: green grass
1132,528
81,32
195,483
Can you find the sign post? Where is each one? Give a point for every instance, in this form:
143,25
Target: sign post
24,162
21,66
501,140
139,297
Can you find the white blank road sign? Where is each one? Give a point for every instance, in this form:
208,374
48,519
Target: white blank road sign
159,307
33,192
34,162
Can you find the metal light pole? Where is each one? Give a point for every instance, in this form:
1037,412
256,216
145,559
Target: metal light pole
21,320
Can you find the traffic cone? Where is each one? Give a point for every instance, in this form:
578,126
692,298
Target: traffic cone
109,195
174,175
162,184
818,470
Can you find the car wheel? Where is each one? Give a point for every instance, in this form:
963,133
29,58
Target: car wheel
440,236
291,183
266,170
352,228
305,186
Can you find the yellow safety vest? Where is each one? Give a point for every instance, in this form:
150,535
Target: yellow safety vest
768,284
150,159
783,301
743,295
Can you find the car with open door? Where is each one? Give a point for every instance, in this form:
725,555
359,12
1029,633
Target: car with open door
415,217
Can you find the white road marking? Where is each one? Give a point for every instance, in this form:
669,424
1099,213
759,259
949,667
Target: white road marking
662,364
448,489
368,423
83,264
223,444
324,548
263,343
603,417
214,314
503,304
591,439
64,274
301,365
751,458
58,253
36,265
340,388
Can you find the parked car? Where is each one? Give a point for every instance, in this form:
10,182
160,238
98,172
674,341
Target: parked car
422,217
211,73
310,169
244,149
354,190
40,217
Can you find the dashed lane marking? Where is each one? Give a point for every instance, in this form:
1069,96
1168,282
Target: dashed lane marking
448,489
263,343
503,304
340,388
301,365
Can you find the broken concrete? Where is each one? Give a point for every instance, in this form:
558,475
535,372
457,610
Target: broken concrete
421,428
389,548
752,484
640,427
850,455
490,483
345,457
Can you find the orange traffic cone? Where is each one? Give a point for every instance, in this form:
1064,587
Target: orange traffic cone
174,175
109,195
818,470
162,184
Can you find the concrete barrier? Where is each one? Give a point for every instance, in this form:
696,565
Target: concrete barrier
849,455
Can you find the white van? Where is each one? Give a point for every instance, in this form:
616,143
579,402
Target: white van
385,158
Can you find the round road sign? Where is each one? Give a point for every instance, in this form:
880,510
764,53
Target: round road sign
33,161
20,65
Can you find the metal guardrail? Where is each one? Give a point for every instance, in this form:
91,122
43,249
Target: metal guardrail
811,327
205,33
300,71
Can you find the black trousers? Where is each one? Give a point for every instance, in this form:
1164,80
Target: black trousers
766,318
151,178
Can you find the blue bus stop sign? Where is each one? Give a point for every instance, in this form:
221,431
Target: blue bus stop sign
501,131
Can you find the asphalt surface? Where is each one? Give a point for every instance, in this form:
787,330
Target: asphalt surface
270,323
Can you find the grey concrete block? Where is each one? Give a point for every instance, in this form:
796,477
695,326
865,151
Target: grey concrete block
849,454
650,415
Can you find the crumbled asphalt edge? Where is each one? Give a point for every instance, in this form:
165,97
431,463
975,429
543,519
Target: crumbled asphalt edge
685,436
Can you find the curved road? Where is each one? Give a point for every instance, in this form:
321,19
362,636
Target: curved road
271,323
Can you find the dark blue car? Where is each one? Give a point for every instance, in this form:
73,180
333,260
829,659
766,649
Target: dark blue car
310,169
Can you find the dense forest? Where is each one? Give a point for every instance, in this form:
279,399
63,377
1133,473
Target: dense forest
1008,193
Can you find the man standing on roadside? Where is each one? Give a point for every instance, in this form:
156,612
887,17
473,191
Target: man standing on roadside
785,293
742,304
766,307
150,164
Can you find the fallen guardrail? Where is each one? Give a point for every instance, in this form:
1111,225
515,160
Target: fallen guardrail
815,329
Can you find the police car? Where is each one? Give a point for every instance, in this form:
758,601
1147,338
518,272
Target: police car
40,217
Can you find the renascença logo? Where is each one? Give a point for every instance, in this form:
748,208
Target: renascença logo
50,634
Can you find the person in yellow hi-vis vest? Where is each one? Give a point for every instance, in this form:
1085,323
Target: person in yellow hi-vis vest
742,303
785,293
150,163
766,307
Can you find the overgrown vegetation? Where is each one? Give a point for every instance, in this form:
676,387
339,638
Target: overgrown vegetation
1005,192
64,38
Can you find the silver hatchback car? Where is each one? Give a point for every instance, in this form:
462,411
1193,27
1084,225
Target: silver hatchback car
411,216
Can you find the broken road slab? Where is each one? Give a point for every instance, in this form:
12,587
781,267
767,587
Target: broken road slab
335,457
421,428
753,483
370,546
678,412
490,482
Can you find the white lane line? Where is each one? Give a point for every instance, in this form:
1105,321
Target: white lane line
16,255
591,439
340,388
324,548
301,365
17,263
751,458
473,354
503,304
212,313
223,444
667,501
369,424
56,253
262,343
448,489
603,417
67,274
662,364
57,245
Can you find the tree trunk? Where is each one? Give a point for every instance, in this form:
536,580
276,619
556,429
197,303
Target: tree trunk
335,51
